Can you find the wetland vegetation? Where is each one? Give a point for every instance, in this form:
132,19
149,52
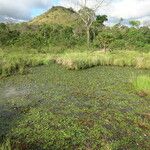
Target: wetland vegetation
51,108
58,93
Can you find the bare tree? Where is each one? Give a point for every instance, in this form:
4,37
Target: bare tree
86,10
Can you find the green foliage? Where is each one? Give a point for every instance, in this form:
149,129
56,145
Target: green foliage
118,44
39,36
58,35
104,39
123,38
134,23
101,19
3,27
7,36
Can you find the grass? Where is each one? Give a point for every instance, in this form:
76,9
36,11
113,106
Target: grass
16,61
82,60
6,146
142,83
13,62
54,108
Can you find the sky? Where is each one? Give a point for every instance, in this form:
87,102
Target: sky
24,10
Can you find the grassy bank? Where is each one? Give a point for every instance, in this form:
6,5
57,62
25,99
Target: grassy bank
82,60
12,63
17,61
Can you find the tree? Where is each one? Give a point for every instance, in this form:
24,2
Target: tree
98,25
134,23
100,19
104,39
87,12
3,26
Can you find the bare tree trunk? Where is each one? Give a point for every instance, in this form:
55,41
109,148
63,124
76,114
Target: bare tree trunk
88,36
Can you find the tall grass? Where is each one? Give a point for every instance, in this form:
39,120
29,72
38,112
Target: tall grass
82,60
142,83
6,145
17,63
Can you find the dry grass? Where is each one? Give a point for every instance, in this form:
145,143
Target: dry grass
82,60
11,63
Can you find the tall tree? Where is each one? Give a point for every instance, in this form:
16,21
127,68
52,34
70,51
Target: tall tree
87,12
134,23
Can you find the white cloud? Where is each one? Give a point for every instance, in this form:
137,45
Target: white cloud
127,9
76,4
21,9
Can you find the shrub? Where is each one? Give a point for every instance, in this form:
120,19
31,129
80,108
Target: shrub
118,44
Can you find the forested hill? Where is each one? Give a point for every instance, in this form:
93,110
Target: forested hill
56,15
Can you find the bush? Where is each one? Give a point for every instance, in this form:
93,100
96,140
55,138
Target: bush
118,44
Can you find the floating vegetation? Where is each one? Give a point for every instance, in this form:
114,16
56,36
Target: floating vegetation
55,108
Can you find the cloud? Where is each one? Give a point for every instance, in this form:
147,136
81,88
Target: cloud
21,9
127,9
76,4
130,9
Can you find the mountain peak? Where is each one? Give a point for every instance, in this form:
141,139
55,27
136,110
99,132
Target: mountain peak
56,15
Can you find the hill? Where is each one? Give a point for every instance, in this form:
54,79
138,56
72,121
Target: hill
56,15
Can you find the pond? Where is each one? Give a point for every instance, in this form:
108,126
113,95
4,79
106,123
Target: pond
100,100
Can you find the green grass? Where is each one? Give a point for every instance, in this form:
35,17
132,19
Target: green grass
17,60
6,146
82,60
142,83
54,108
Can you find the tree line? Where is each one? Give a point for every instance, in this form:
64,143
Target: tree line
100,36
